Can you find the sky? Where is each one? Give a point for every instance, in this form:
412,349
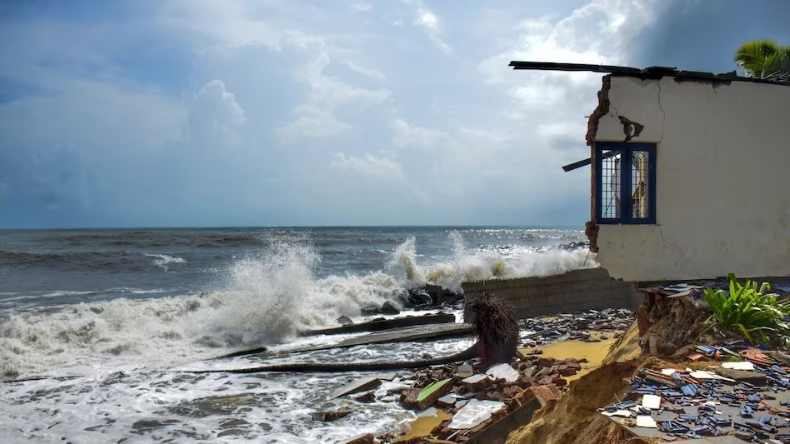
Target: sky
185,113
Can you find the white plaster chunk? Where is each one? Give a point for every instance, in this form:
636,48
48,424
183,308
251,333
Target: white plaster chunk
474,413
503,371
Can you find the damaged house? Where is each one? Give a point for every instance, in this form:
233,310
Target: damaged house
689,173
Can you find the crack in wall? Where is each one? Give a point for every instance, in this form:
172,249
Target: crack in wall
601,110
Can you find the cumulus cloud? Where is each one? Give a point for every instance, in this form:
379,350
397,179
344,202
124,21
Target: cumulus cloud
429,22
317,117
180,122
214,112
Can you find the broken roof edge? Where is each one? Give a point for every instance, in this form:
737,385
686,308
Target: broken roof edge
653,72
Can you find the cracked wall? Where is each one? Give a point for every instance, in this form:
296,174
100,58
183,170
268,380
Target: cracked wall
723,203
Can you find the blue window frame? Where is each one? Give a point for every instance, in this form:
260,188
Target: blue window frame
625,183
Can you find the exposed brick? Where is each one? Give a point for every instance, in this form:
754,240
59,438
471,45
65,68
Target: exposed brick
544,393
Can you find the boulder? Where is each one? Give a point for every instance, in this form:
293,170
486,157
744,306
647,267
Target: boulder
390,308
370,310
344,320
419,297
366,398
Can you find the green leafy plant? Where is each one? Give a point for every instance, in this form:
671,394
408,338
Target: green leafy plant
747,309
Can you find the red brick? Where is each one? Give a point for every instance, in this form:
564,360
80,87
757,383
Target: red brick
544,393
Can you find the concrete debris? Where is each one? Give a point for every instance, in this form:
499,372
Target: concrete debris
698,404
358,385
474,413
503,371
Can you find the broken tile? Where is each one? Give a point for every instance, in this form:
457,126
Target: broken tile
651,402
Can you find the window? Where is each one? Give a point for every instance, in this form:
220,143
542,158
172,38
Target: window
625,183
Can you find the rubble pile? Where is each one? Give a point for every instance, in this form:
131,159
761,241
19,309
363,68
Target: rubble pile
576,326
477,397
745,395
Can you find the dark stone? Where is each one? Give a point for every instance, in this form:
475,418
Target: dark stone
331,415
366,398
370,310
344,320
390,308
419,297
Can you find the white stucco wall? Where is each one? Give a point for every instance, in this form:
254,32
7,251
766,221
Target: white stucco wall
723,180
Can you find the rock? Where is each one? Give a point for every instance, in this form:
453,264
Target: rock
524,382
330,415
451,297
568,371
390,308
511,392
367,438
530,372
370,310
419,297
575,365
366,398
344,320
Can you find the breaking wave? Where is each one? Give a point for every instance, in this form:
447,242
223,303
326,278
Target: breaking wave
490,262
264,299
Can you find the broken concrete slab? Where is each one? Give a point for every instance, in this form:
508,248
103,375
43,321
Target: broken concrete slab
498,432
359,385
752,377
474,413
385,324
418,333
476,382
429,395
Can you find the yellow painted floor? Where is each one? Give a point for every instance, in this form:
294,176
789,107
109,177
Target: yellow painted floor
594,352
422,426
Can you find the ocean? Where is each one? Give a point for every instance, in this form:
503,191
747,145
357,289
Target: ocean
108,317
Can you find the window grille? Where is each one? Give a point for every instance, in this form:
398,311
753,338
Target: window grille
625,183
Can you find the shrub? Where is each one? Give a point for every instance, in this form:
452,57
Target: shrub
747,309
